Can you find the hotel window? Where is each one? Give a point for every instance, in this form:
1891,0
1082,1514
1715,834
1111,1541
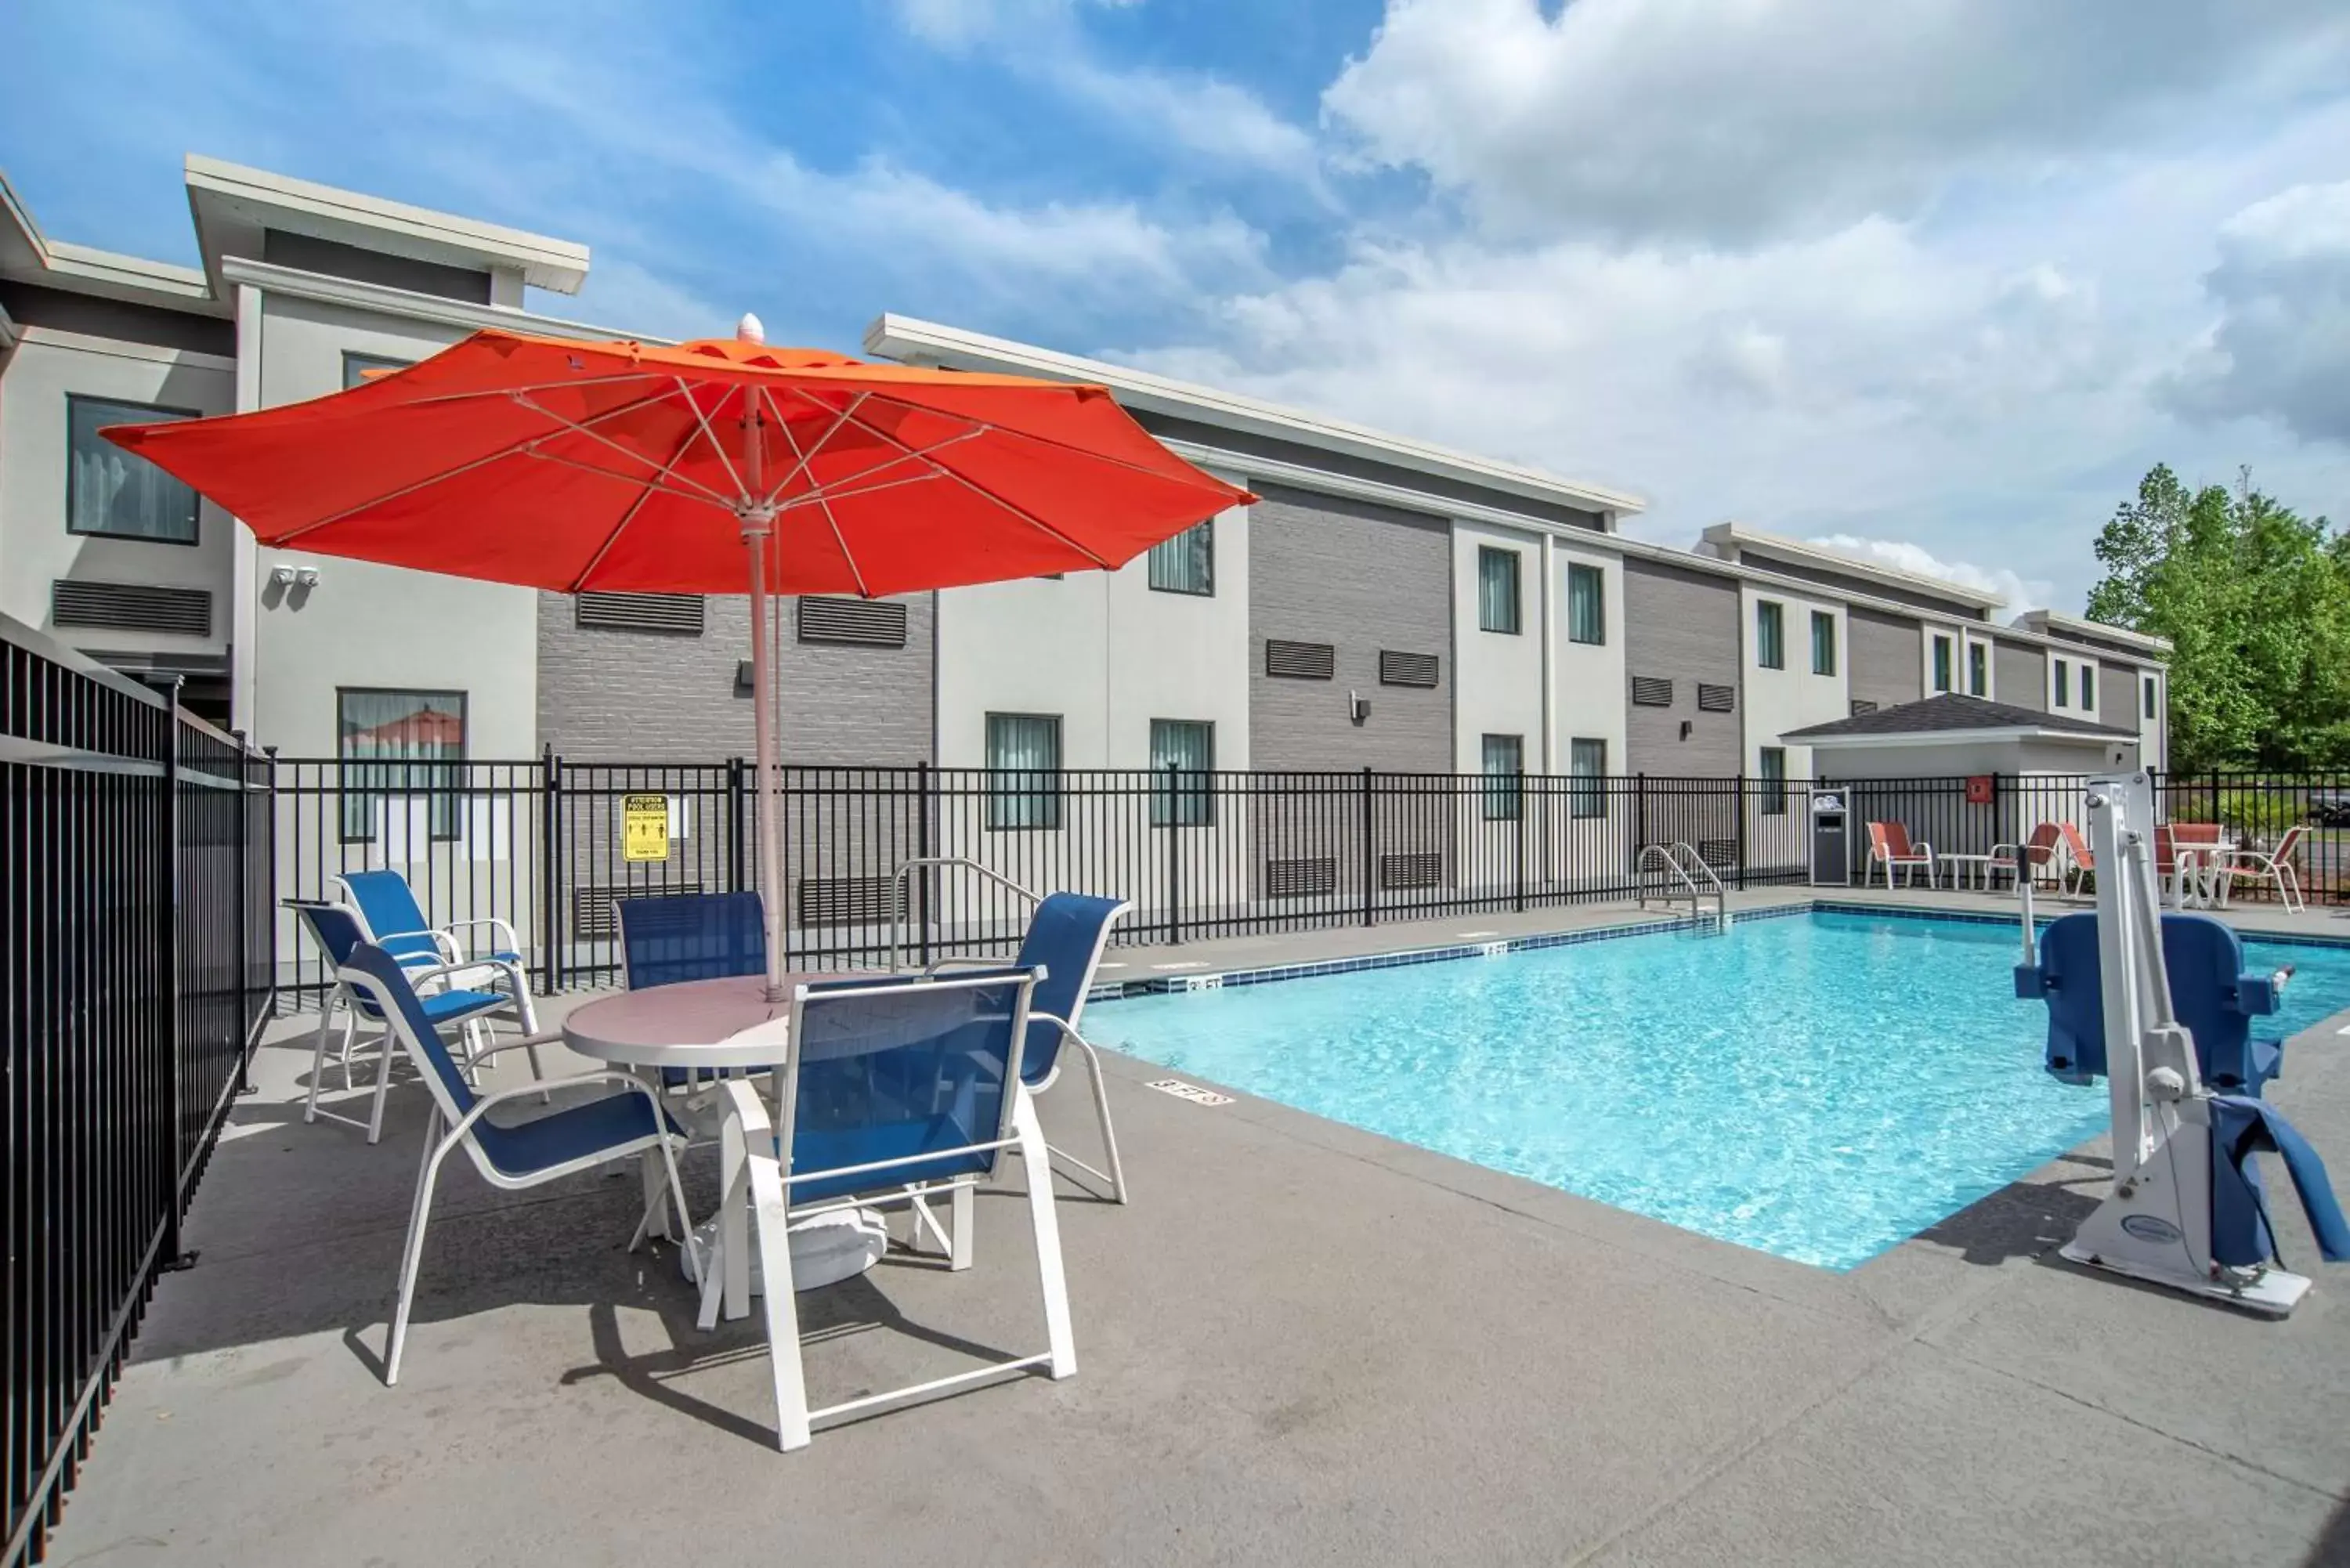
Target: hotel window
2064,686
357,365
115,495
1774,793
1183,765
2089,687
1978,670
1023,787
397,747
1587,605
1942,664
1505,762
1770,635
1822,643
1586,775
1186,562
1497,590
2149,696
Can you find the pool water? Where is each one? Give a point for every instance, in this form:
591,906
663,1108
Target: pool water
1820,1086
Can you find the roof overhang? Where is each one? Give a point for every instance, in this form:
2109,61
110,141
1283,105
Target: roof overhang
2049,622
28,256
232,205
1734,540
1899,739
905,338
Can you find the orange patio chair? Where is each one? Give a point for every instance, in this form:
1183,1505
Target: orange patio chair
1889,845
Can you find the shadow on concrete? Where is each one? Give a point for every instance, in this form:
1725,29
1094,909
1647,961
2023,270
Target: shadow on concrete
2021,1219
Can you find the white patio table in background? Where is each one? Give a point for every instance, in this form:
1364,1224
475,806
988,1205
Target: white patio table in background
700,1025
2201,881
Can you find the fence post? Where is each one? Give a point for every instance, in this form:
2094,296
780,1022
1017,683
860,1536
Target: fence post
735,803
1738,823
167,938
243,914
1370,885
922,851
1519,903
1174,862
1640,814
271,752
550,872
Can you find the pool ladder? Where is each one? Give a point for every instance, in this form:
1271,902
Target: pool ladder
1691,878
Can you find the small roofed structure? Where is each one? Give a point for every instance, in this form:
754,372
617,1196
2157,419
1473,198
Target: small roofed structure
1965,774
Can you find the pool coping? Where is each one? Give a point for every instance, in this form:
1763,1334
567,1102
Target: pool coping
1498,947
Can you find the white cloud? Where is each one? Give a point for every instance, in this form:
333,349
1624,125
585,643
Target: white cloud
2280,350
2021,593
1707,118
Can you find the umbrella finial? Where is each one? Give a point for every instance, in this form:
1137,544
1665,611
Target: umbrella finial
748,329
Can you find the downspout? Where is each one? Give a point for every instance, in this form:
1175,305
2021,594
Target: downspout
1549,658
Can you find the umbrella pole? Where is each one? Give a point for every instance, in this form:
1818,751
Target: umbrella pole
758,524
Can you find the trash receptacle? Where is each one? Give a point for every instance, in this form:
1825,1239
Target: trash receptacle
1831,840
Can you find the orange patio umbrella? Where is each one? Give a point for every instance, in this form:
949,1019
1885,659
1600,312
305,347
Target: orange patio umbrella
712,467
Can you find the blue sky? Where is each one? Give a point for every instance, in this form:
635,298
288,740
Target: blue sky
1940,279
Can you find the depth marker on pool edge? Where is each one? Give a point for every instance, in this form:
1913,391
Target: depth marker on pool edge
1192,1092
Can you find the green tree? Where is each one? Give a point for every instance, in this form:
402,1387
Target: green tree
2255,600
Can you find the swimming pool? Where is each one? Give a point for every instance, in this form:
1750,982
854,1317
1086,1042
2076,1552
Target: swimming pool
1818,1085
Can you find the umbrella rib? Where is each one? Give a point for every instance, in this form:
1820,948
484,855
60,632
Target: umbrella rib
846,558
448,473
684,444
699,497
855,483
983,493
1094,453
531,387
741,491
599,437
839,418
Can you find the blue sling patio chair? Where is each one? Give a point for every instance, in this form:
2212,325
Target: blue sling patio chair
337,933
2211,991
1066,935
895,1089
391,918
674,938
509,1155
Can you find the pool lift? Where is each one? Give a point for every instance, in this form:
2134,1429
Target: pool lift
2188,1211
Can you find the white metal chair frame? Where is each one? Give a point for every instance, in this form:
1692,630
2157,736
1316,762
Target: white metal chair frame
1921,854
447,1129
767,1172
453,952
475,1026
1115,1174
2270,865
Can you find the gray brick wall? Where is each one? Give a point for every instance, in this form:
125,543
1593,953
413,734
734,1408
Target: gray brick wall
1883,663
1361,577
2019,676
619,694
1681,625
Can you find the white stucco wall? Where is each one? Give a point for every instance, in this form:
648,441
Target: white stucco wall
1589,685
1777,701
46,367
2152,733
371,626
1497,677
2075,663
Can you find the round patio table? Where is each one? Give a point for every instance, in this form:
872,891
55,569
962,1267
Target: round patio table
701,1025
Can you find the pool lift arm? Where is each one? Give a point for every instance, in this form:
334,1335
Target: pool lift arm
2157,1224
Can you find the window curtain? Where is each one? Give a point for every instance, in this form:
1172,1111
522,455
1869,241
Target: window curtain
1186,562
110,490
396,745
1497,590
1505,759
1770,636
1186,796
1026,790
1587,769
1587,605
1774,781
1823,643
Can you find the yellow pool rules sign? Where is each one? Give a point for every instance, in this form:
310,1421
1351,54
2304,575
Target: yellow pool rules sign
644,827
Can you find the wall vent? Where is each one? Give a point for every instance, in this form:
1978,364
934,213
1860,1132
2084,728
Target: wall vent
132,607
1306,879
1862,705
1406,668
858,623
680,614
1717,698
1300,660
848,900
1651,691
1425,870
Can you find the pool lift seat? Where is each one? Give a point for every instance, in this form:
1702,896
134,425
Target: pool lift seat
2188,1211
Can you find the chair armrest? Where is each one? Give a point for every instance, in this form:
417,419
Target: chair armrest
543,1037
1922,848
2258,995
2031,983
937,964
543,1086
499,925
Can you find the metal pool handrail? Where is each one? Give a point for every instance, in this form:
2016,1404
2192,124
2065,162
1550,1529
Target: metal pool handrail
1682,871
938,862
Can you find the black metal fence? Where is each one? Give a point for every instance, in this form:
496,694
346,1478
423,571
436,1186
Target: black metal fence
135,968
542,843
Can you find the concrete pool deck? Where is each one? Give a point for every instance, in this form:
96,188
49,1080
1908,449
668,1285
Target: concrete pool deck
1301,1344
